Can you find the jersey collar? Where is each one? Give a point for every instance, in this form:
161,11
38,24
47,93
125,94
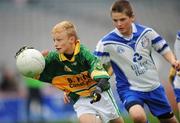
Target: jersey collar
76,51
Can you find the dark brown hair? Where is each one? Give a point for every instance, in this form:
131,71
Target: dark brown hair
122,6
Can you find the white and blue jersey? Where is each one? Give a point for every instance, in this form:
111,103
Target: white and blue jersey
176,82
131,58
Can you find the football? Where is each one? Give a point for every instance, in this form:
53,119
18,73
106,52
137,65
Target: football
30,62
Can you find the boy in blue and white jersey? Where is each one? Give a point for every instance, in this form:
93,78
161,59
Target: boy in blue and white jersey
177,78
128,49
174,77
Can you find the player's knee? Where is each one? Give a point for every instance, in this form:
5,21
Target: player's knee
168,115
139,119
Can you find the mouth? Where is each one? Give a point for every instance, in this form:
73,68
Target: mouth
58,49
120,28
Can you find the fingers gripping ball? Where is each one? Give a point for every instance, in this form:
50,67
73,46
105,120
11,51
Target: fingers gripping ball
30,62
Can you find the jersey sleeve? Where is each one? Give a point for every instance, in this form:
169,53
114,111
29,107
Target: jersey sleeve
101,53
177,46
158,43
96,68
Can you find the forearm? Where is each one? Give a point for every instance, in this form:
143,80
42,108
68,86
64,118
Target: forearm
170,57
108,68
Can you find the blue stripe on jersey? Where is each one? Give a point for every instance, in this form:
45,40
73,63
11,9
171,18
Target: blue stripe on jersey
113,42
113,37
156,40
121,79
164,46
101,53
178,33
140,29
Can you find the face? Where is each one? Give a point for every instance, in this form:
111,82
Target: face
63,43
122,22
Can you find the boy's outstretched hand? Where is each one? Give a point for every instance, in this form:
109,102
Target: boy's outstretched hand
96,96
45,52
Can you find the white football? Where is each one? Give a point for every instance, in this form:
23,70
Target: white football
30,63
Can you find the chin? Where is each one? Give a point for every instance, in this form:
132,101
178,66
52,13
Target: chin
59,51
121,30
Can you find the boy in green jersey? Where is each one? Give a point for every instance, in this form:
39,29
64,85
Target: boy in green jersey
75,70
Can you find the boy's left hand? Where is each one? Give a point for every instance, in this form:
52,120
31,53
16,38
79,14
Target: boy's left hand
176,65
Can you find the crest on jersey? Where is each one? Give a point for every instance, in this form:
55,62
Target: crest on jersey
120,49
145,42
74,63
137,57
66,68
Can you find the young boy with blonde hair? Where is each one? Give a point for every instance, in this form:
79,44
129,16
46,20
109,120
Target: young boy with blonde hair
75,70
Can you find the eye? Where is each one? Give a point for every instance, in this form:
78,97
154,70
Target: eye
58,40
123,19
115,20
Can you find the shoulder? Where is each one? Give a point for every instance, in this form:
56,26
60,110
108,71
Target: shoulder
86,53
52,56
147,31
84,49
109,36
142,28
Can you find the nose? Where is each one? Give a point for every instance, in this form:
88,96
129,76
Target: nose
119,23
55,43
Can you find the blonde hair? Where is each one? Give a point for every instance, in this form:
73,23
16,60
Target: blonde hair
66,26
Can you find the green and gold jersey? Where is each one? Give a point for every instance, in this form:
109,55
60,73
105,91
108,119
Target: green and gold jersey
77,75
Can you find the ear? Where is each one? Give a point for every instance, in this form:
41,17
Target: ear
133,18
72,39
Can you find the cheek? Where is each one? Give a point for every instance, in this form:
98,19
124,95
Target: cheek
61,43
115,24
65,46
126,24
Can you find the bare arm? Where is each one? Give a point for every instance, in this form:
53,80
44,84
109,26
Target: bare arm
169,56
108,68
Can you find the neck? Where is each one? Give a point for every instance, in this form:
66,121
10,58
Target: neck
69,56
128,33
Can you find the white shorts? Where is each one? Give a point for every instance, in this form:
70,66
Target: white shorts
106,108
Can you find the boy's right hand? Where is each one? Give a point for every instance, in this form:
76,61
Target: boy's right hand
66,98
45,52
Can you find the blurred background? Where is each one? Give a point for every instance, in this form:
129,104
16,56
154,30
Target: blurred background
29,22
